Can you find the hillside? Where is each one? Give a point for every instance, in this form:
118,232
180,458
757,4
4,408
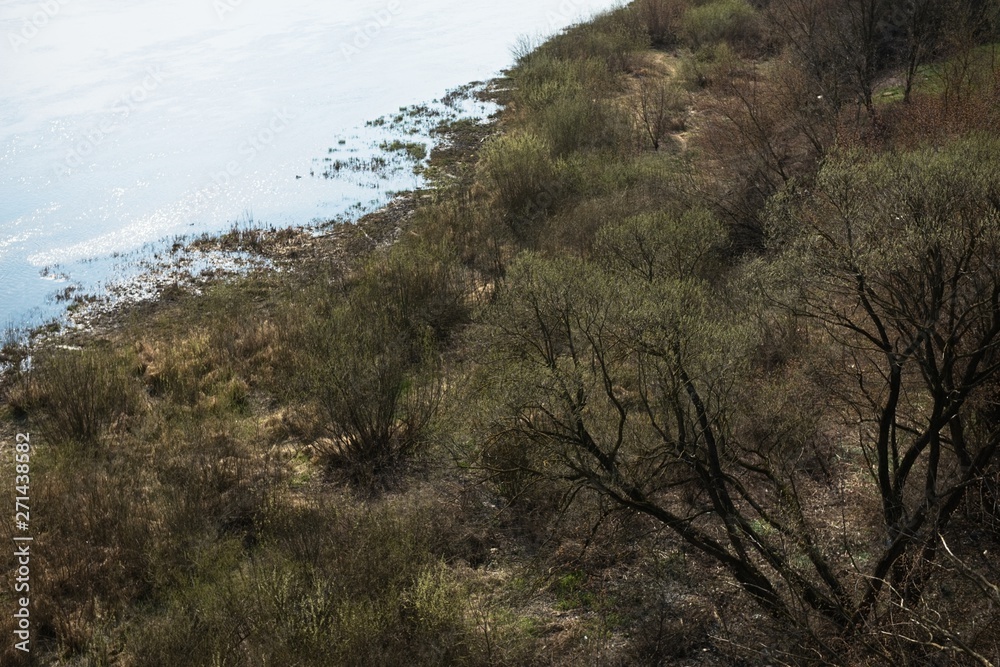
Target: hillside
692,357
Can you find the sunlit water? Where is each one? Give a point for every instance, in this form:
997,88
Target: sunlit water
125,123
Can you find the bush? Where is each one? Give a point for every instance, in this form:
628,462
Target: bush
471,228
732,21
612,38
423,289
93,531
578,121
83,392
369,357
517,169
661,109
375,403
709,66
543,79
573,229
337,583
662,19
657,246
564,101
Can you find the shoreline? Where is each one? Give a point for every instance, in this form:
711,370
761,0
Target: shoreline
234,254
186,270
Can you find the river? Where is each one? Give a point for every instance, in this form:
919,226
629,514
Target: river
125,124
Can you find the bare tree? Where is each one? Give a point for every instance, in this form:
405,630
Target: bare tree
904,275
920,22
635,380
840,44
760,133
806,27
660,111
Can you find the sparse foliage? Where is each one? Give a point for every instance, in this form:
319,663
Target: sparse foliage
661,111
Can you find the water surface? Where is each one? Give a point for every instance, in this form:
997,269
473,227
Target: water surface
126,123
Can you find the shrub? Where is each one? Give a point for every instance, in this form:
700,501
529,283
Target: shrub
376,405
573,229
613,38
661,19
93,534
580,122
423,289
517,169
661,110
709,66
436,604
368,357
656,246
337,582
543,78
731,21
564,101
83,392
471,228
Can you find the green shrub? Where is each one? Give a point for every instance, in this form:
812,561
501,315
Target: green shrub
573,230
570,590
436,602
731,21
368,358
422,287
469,226
565,103
376,404
94,531
543,79
336,582
656,246
613,38
518,171
708,66
584,123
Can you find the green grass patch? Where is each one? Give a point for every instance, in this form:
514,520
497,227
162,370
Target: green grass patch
416,151
969,71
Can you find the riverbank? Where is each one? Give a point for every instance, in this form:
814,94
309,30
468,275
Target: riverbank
188,268
608,395
247,254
